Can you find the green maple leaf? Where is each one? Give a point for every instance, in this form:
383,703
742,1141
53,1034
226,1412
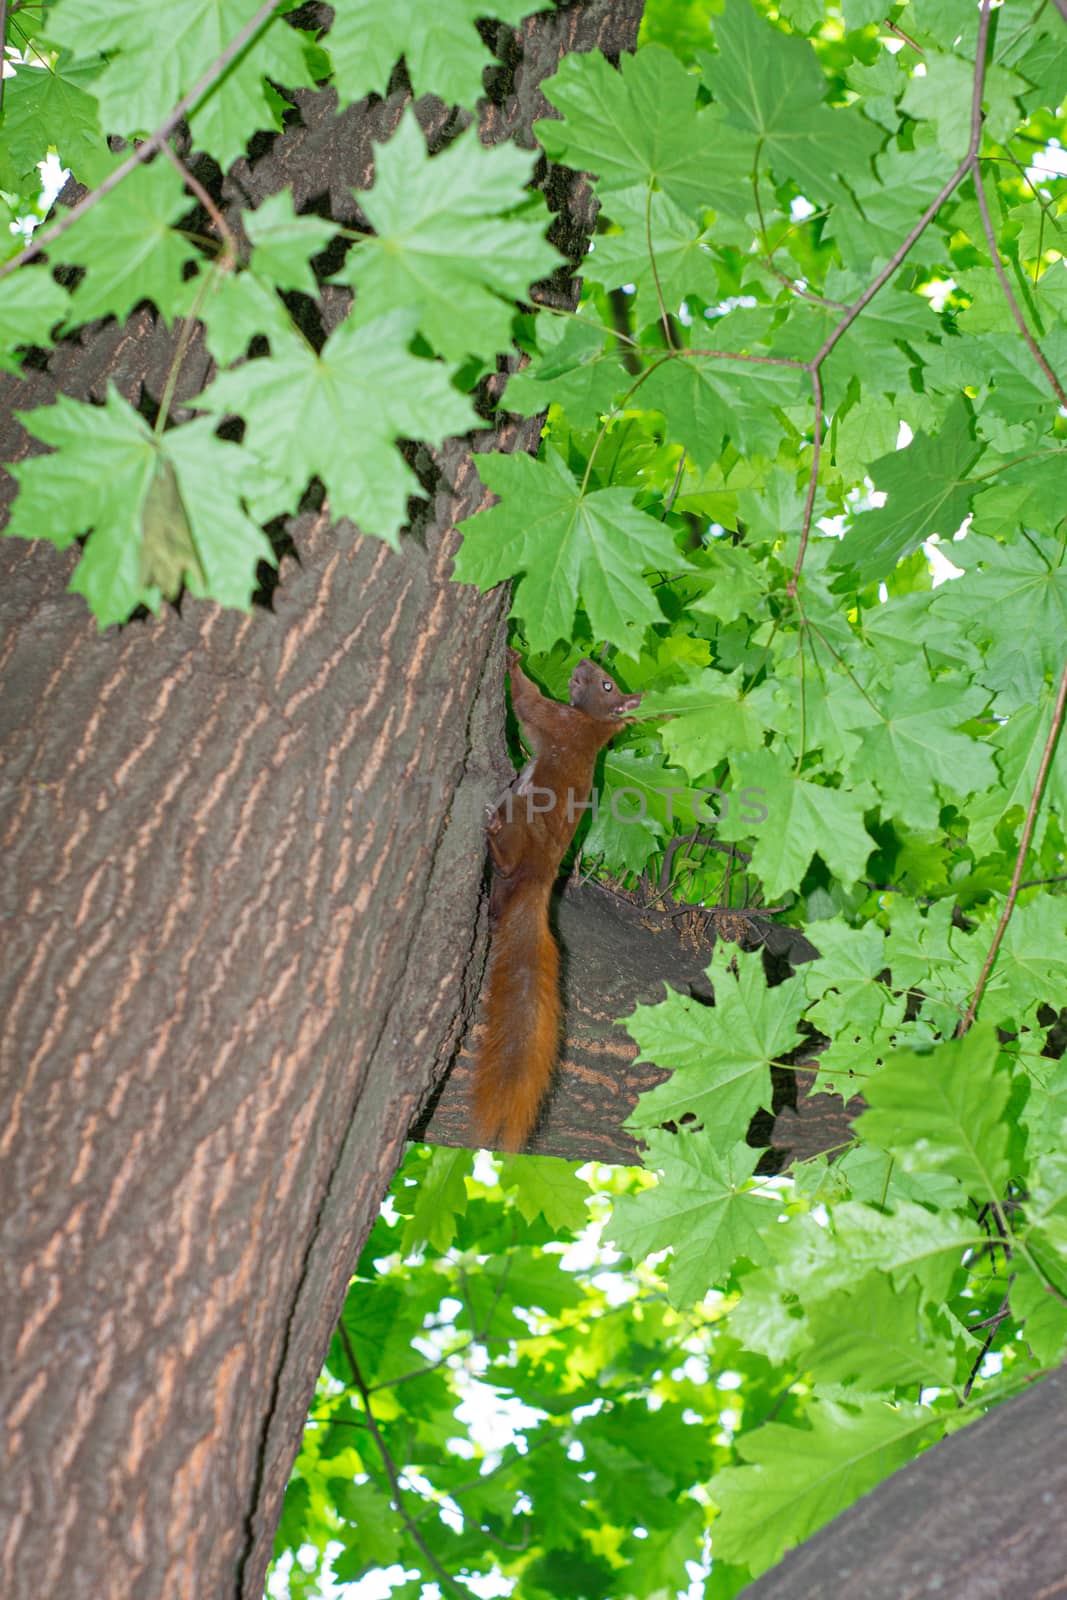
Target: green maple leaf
928,491
546,1187
850,1001
712,715
719,1056
31,303
578,368
707,400
282,241
737,583
887,205
872,1335
48,105
1010,591
128,248
772,86
564,541
1031,963
803,818
944,93
365,42
914,751
637,126
441,1198
683,260
1042,1315
156,53
701,1208
168,506
355,398
236,306
944,1111
443,244
1019,745
798,1478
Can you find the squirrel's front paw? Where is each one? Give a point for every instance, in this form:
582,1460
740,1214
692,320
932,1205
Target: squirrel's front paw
513,656
493,820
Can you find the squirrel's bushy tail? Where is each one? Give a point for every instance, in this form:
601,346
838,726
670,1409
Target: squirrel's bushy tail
522,1020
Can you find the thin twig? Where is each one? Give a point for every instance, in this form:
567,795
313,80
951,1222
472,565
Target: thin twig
838,331
222,263
736,355
228,258
992,1323
768,253
1024,844
390,1467
155,141
813,480
674,494
664,318
1009,294
892,27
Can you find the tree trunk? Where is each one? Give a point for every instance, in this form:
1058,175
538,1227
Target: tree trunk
978,1517
242,947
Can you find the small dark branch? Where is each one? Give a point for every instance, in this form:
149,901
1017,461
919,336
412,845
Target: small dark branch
227,260
813,478
892,28
1034,883
155,141
1024,844
992,1323
391,1471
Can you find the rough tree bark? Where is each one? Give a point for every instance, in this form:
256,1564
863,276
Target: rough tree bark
978,1517
240,950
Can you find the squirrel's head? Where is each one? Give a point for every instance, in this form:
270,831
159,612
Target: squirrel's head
592,691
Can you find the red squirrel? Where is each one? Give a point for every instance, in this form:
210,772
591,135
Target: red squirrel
529,831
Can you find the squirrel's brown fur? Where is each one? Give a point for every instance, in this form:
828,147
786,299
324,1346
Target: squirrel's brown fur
529,832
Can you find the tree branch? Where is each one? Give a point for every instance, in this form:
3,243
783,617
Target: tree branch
155,141
391,1471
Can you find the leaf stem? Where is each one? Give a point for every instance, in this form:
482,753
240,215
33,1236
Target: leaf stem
1020,856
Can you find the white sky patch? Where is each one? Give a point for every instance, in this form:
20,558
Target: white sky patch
799,208
941,567
493,1420
1051,162
904,435
53,176
937,292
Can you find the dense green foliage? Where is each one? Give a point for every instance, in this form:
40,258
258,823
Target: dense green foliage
824,299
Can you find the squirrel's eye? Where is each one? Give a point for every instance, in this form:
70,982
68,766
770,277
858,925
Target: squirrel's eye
607,686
